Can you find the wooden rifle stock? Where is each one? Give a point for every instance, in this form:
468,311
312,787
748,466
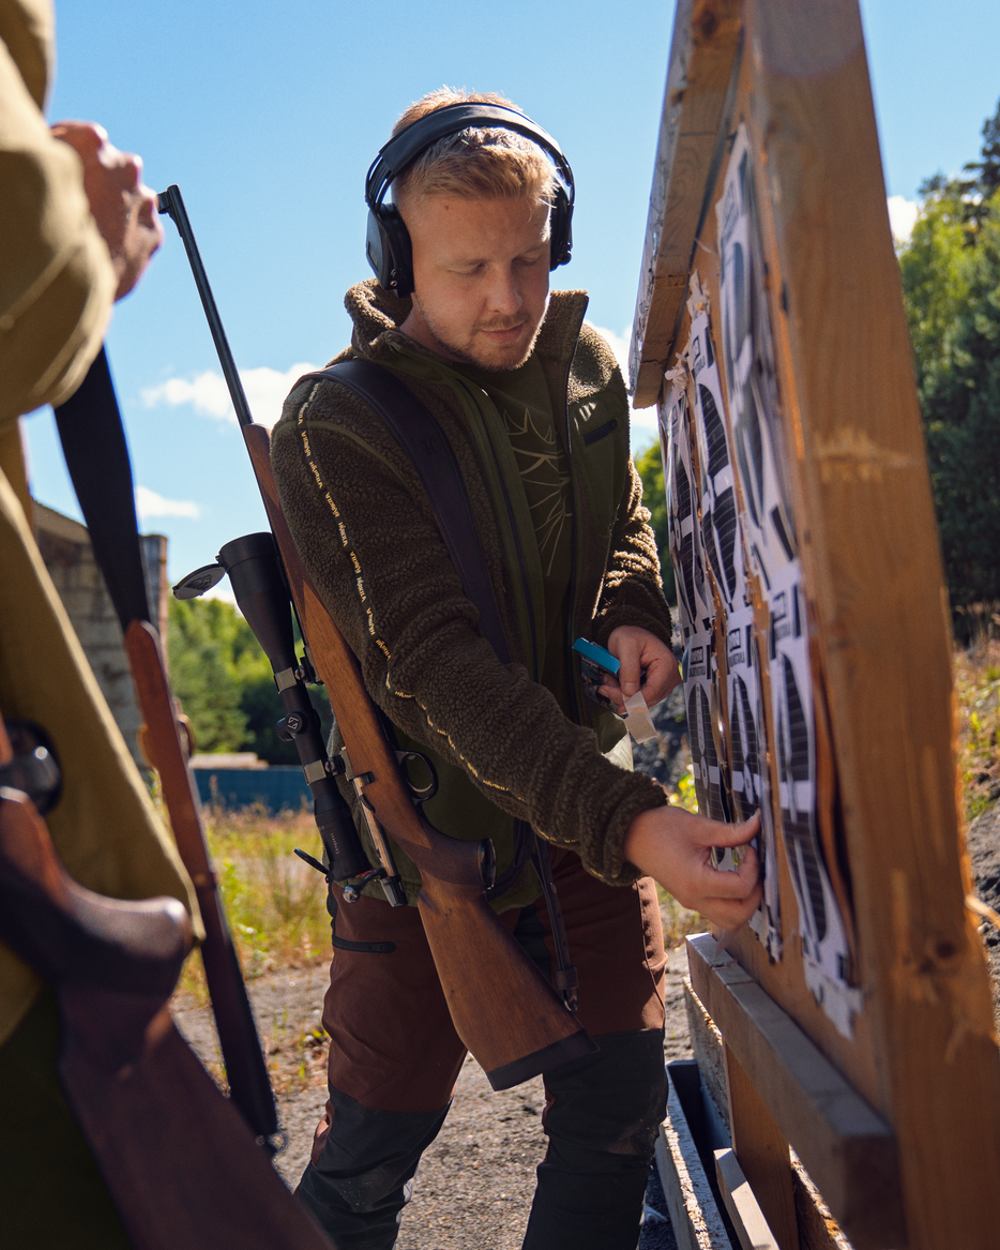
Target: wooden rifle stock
246,1070
180,1164
518,1027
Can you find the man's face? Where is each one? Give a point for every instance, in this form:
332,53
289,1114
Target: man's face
481,277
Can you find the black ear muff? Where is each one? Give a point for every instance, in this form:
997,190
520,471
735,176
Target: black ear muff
388,242
388,249
561,228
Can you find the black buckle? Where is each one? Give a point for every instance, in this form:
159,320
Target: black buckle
34,768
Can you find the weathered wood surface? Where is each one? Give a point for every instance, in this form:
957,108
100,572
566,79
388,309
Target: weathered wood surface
870,554
762,1150
740,1201
922,1052
702,54
817,1228
848,1149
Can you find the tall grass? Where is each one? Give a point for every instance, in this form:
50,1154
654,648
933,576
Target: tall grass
275,903
977,693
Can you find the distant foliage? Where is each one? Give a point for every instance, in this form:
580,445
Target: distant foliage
650,467
223,681
951,284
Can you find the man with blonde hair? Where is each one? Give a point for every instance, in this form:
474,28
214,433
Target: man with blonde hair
533,408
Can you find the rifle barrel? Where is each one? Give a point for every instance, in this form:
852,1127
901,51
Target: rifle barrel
171,202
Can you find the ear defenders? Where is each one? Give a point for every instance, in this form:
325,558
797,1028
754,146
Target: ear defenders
388,244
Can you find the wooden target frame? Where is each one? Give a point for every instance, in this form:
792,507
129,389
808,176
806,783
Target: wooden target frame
871,1053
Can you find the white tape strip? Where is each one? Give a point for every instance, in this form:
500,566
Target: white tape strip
637,719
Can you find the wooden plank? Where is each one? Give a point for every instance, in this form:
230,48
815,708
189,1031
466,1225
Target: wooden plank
702,57
762,1150
878,602
741,1203
848,1150
818,1230
694,1213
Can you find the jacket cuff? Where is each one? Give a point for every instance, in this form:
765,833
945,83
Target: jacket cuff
613,868
609,621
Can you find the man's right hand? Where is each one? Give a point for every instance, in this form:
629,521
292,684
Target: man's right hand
123,208
675,848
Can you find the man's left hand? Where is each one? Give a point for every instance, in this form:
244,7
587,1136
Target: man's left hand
647,663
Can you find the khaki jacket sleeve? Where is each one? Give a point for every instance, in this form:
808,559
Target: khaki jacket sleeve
57,282
368,539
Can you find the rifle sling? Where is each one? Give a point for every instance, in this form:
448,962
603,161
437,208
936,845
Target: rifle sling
421,437
93,442
97,457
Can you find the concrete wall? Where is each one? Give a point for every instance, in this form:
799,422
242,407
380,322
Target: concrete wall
66,550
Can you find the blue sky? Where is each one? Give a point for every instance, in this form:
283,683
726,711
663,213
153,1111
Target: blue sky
267,116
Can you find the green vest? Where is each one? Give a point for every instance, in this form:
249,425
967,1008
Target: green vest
520,446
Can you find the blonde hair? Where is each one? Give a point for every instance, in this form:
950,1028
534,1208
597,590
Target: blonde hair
488,162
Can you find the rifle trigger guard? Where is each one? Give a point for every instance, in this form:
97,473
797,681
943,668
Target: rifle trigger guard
420,792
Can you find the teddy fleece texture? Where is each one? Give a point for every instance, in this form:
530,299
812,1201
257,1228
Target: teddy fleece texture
367,535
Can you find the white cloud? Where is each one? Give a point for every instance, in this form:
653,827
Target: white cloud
149,504
208,395
619,344
902,217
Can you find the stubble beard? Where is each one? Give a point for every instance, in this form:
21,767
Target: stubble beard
498,362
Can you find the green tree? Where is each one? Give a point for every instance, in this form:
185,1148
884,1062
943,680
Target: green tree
962,411
951,284
224,681
650,467
203,680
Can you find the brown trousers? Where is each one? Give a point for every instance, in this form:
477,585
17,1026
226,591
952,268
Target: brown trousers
395,1057
392,1043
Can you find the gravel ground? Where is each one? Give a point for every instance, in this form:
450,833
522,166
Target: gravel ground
474,1186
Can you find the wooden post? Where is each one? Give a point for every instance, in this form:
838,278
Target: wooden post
919,1052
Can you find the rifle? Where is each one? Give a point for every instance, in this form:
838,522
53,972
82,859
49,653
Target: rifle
93,440
518,1027
179,1162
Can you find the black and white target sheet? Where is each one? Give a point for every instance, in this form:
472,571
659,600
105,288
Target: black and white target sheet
762,467
748,680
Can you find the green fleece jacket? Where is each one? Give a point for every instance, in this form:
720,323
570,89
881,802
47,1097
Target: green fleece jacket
366,533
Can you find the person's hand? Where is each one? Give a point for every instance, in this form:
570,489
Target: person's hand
124,209
675,848
646,663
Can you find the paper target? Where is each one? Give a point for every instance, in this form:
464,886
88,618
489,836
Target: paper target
721,535
684,531
750,371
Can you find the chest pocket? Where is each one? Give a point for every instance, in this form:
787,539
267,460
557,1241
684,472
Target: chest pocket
602,453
